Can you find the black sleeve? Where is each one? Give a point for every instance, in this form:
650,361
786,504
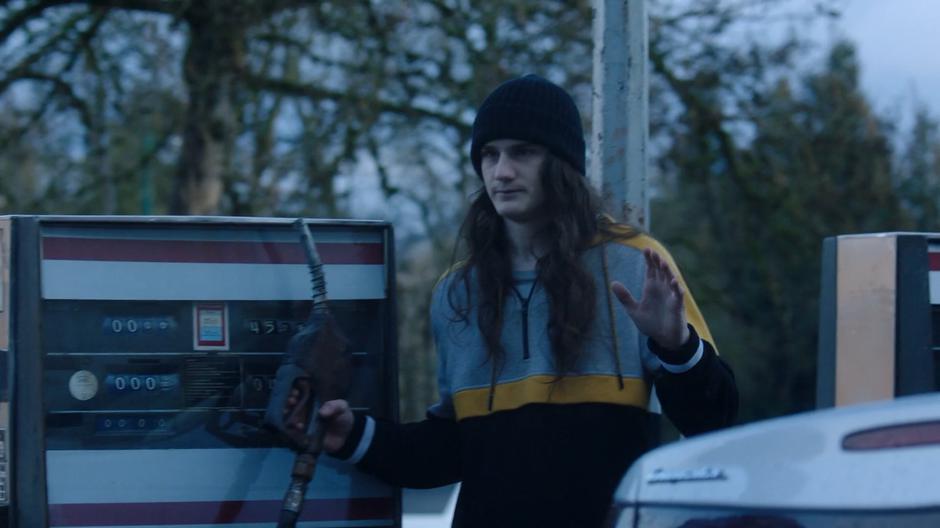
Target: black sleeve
701,399
423,454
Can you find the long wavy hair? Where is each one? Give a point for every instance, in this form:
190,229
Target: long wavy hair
573,222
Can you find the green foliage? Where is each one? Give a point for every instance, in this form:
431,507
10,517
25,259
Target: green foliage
813,162
918,173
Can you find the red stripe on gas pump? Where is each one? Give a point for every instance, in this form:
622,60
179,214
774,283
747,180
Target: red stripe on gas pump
216,512
934,261
206,251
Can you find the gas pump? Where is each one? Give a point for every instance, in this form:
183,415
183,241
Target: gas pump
879,320
141,357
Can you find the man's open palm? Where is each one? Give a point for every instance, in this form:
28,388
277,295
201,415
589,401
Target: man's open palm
659,313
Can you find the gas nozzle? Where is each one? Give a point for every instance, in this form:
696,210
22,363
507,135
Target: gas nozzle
315,369
315,366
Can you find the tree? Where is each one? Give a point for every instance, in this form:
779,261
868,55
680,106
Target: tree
363,108
346,76
248,107
919,172
816,163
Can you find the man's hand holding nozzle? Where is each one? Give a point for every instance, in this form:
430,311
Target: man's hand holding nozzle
335,417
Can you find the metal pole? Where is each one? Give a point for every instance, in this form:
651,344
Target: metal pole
620,105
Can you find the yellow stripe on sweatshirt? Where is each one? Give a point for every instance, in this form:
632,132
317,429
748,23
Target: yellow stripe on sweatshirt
541,389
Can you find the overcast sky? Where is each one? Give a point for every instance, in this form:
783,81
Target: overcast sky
899,48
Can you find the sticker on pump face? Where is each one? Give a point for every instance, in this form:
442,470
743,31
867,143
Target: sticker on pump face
210,326
83,385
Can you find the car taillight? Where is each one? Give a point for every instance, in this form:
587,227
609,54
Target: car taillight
894,436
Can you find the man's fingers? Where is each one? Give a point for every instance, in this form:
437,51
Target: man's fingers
650,263
292,398
663,271
333,408
338,418
676,288
328,409
659,269
623,295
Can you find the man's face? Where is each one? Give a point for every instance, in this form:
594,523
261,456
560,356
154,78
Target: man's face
512,175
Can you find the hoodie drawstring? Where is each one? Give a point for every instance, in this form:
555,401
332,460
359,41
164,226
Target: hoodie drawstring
610,317
493,359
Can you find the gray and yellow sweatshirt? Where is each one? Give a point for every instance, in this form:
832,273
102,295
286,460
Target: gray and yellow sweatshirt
534,450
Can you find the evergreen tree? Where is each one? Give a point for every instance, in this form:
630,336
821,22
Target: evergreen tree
816,163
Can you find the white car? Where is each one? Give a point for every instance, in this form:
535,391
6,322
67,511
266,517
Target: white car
869,465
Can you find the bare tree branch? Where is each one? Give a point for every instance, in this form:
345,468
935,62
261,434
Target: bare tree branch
711,118
28,61
316,93
63,89
32,11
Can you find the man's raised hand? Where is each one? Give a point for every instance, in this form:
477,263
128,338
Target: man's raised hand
659,313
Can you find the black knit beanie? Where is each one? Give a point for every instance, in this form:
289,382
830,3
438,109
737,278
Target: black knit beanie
533,109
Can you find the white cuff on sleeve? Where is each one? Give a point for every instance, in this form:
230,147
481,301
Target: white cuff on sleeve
696,357
364,442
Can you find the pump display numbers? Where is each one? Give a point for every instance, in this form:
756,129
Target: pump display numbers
138,325
211,321
261,383
133,424
122,383
272,326
124,327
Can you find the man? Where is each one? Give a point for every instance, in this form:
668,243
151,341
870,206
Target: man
544,382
